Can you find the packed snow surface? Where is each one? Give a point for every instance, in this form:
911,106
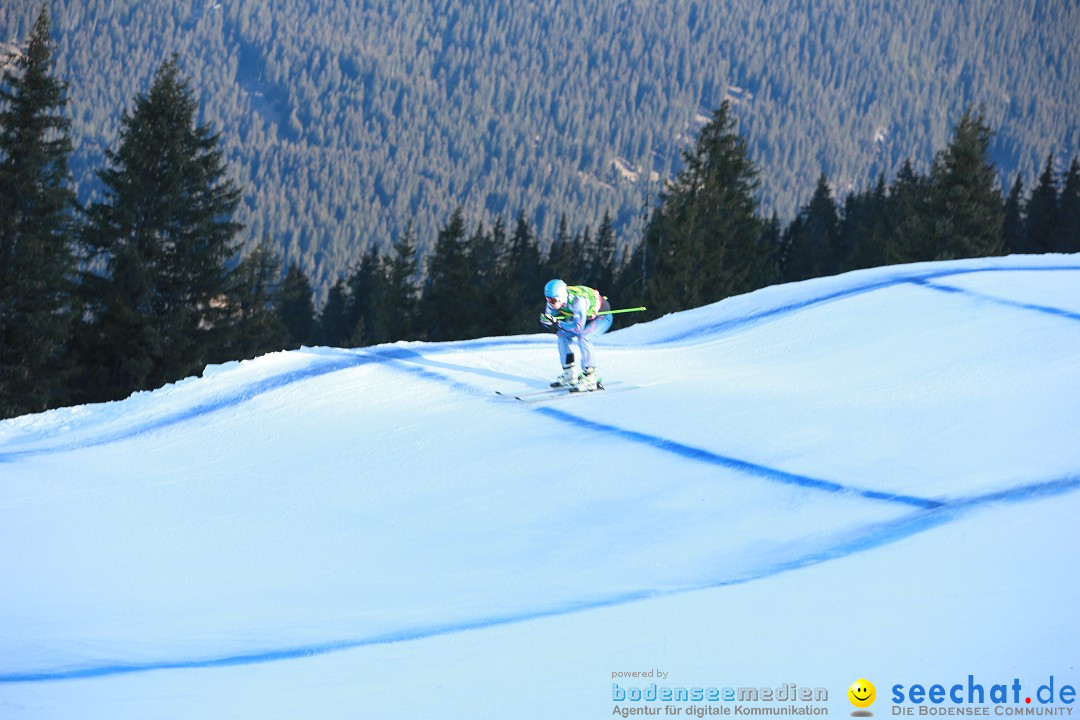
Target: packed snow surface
868,476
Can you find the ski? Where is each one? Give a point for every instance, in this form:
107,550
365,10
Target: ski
548,394
533,393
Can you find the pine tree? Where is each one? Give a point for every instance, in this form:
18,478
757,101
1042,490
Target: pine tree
633,278
485,251
296,308
36,256
1042,210
367,283
447,303
1066,238
399,304
813,248
254,294
519,280
704,241
584,252
334,326
164,233
908,218
966,207
563,254
1012,227
602,276
772,238
865,228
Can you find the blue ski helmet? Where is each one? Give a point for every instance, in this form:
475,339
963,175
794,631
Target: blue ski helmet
556,290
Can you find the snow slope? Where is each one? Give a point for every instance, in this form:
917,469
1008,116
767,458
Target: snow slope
872,475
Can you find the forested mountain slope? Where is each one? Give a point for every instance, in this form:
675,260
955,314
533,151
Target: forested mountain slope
344,119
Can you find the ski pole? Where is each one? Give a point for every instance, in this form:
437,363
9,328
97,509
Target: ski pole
566,314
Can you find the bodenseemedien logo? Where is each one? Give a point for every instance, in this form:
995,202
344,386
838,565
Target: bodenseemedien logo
702,700
862,694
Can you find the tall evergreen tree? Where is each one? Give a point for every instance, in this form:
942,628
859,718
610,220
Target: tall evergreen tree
966,207
36,204
602,275
399,304
562,255
788,257
164,232
296,308
447,304
908,218
813,250
1012,227
581,261
367,283
1041,215
771,237
335,324
255,290
704,240
865,228
633,275
485,251
1066,237
519,280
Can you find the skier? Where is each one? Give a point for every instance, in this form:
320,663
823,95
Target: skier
574,313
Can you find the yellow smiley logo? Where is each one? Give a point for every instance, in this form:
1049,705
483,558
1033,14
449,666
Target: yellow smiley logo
862,693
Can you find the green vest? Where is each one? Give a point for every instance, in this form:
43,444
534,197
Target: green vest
594,298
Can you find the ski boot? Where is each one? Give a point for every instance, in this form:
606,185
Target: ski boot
568,379
589,381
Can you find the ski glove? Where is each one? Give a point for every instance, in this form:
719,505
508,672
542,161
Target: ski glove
547,320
